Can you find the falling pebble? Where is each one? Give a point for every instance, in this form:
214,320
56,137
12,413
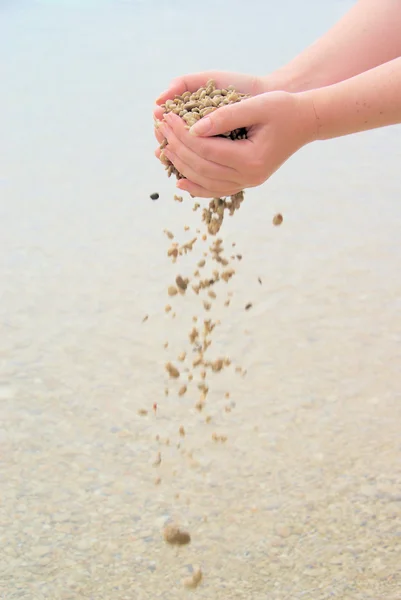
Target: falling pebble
154,196
145,318
174,535
248,306
158,460
142,412
167,308
181,283
172,290
172,370
178,198
260,281
181,431
154,407
193,580
277,219
182,390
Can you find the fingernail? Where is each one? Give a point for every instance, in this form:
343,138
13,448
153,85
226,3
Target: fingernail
161,96
202,127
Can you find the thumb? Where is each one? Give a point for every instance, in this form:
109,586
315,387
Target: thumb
246,113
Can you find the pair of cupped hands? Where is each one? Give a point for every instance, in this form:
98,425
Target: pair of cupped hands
278,123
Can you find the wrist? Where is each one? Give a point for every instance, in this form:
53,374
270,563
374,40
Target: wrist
308,116
287,80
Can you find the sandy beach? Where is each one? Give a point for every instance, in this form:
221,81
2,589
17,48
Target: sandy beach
303,499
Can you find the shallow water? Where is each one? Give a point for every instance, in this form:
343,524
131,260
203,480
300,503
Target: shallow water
303,500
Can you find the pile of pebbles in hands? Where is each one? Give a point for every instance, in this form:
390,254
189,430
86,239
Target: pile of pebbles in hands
192,106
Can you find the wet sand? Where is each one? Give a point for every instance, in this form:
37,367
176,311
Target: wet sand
303,500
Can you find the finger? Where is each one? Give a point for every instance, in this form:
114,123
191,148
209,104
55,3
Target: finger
247,113
200,192
158,113
222,151
159,136
189,173
203,168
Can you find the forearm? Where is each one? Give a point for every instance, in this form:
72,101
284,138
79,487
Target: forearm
366,101
367,36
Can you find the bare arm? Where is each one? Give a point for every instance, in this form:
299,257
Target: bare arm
366,101
367,36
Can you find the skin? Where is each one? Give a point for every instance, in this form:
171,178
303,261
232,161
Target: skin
348,81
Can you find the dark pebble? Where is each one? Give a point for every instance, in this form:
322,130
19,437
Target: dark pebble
248,306
154,196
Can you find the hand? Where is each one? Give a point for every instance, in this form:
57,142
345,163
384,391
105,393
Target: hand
246,84
278,123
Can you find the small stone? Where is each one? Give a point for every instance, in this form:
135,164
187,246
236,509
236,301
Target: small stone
181,431
182,390
142,412
174,535
172,290
178,198
248,306
181,283
172,370
167,309
277,219
154,196
193,580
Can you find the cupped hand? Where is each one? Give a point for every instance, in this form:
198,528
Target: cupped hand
246,84
278,124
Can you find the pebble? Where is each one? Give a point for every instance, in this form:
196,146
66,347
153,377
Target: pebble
154,196
193,580
174,535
